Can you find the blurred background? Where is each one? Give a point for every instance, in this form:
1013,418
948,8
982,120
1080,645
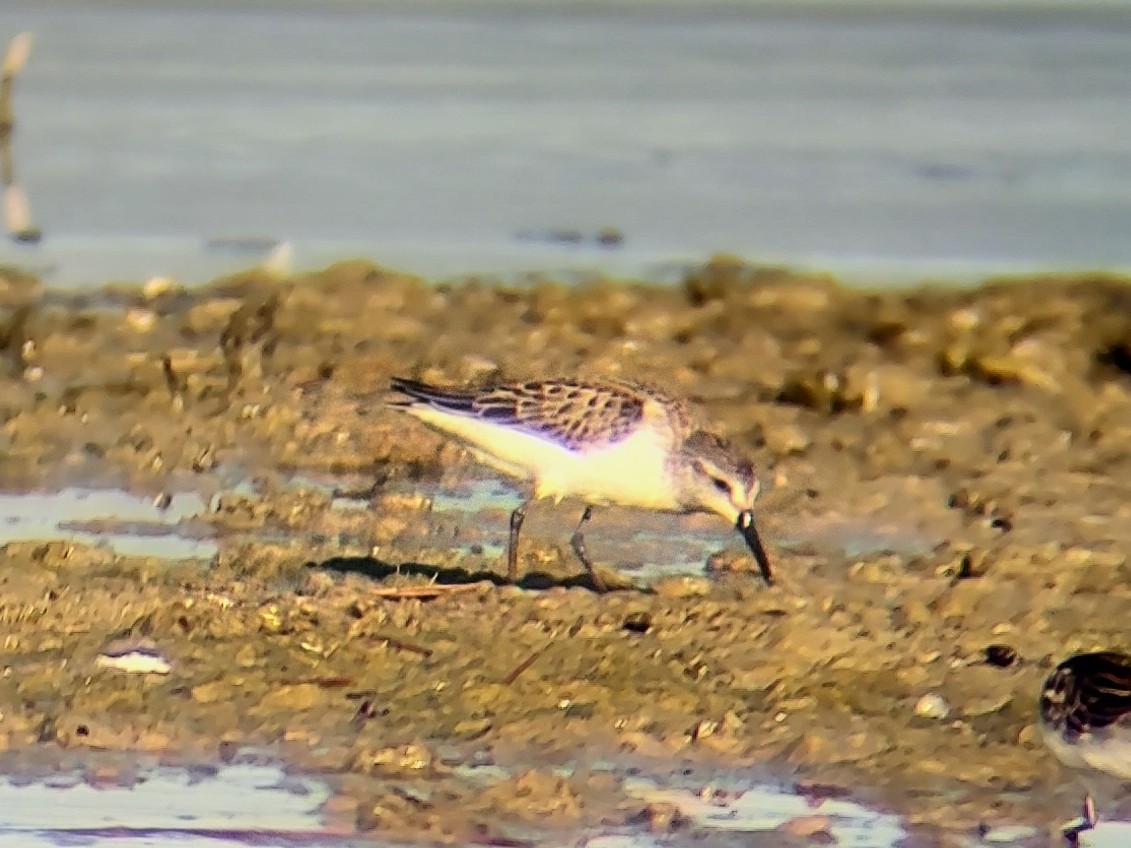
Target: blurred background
884,141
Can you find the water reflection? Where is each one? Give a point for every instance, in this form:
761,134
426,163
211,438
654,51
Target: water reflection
129,524
244,804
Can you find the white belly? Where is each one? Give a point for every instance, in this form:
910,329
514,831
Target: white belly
632,472
1106,752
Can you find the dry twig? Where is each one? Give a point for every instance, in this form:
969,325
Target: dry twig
430,591
523,666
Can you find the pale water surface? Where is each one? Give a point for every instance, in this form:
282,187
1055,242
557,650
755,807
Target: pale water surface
129,524
260,804
884,140
237,805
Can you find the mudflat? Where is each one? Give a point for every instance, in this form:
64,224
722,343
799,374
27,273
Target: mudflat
948,508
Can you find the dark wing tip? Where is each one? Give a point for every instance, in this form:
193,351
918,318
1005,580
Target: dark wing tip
415,390
407,385
420,393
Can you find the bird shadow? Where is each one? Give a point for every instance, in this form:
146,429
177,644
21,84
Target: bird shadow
380,570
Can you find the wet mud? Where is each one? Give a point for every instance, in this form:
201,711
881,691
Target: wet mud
946,503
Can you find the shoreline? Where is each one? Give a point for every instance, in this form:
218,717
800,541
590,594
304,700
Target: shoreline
84,265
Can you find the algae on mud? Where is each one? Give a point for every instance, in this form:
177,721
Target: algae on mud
981,438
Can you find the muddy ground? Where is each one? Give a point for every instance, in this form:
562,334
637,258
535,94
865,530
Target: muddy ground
988,430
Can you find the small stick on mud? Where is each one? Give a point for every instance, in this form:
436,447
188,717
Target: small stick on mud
326,682
172,381
364,712
400,645
524,665
430,591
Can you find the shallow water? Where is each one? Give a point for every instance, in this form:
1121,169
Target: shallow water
645,546
258,803
727,803
946,139
261,805
234,805
130,525
766,808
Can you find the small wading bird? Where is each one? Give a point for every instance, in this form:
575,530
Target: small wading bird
15,206
1085,710
603,442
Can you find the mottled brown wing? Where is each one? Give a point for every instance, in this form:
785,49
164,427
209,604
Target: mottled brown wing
1104,690
577,414
676,413
1094,691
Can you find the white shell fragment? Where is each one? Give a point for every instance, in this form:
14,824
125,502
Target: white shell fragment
932,706
134,657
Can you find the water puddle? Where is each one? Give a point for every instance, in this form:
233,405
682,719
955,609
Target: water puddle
473,495
242,804
723,808
470,514
129,524
646,545
825,817
258,803
761,809
728,803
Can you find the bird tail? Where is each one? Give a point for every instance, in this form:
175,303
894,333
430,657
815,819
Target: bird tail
420,394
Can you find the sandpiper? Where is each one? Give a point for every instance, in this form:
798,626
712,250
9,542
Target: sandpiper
601,441
1085,710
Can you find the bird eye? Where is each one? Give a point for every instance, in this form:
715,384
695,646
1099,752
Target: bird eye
722,485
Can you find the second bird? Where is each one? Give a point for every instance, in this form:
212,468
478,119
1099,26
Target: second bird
1085,709
603,442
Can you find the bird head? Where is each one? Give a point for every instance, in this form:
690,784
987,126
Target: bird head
717,478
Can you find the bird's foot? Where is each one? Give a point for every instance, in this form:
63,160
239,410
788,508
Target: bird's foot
577,542
1087,821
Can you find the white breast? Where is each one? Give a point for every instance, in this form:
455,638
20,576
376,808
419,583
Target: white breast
510,451
1106,752
632,472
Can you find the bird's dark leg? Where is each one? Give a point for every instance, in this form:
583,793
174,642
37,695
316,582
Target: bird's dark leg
1087,821
517,517
577,542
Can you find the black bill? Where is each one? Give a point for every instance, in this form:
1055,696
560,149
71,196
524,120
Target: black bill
745,526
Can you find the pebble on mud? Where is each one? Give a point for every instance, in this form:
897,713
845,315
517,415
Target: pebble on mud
141,320
816,828
661,817
682,586
135,656
932,706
